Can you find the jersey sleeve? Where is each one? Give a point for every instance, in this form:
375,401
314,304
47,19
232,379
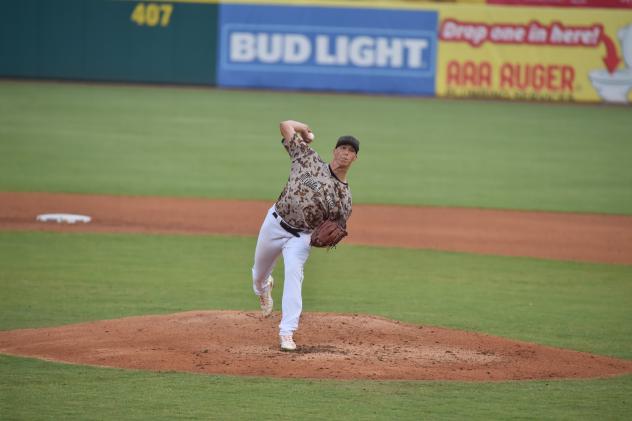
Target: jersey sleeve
295,147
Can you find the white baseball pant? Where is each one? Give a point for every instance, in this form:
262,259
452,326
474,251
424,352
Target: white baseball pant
272,242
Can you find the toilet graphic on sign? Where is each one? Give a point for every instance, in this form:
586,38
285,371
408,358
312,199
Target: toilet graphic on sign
612,84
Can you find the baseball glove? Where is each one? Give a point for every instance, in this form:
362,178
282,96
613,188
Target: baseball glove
328,234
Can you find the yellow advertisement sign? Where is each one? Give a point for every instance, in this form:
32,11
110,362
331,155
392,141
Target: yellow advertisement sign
543,54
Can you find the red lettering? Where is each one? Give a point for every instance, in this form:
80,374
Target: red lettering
568,77
454,72
469,73
506,76
551,75
522,76
537,77
485,74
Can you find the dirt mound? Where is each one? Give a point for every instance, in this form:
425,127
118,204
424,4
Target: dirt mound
330,346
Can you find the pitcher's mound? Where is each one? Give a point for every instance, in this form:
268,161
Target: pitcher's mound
330,346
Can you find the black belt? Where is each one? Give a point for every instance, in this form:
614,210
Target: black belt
291,230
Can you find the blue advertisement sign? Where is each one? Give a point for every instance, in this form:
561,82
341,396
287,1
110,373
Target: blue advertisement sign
354,50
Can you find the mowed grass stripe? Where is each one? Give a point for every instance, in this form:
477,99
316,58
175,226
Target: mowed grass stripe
225,144
38,390
51,279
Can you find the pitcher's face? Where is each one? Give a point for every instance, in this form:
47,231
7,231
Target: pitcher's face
345,155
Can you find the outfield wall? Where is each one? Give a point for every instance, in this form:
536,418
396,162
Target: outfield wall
107,40
546,54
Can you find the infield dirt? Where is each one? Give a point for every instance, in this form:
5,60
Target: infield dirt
548,235
337,346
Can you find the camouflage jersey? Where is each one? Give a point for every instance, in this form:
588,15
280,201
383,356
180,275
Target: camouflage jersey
312,193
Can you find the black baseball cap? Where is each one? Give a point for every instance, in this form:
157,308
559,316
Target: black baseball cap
349,140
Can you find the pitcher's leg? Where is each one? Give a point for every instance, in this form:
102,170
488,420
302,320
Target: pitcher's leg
295,254
269,245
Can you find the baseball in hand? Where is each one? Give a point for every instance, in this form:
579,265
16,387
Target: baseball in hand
310,136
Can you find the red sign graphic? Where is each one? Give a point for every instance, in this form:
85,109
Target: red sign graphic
611,60
533,33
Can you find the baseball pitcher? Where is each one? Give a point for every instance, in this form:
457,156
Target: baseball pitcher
312,210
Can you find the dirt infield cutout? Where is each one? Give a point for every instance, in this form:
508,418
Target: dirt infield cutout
333,346
547,235
330,345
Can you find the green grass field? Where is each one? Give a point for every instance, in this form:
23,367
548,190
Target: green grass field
213,143
205,143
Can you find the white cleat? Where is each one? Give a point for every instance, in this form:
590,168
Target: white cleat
265,299
287,343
